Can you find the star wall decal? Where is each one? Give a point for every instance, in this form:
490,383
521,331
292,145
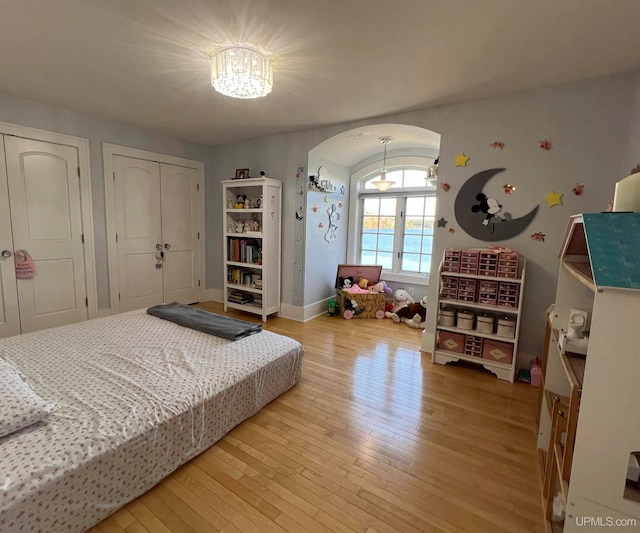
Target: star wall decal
553,198
442,223
461,160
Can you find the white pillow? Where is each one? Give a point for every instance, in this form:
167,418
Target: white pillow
19,405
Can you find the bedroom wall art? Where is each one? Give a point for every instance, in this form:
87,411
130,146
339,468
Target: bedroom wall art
482,217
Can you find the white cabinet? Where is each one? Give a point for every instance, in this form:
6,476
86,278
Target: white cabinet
479,305
252,245
588,408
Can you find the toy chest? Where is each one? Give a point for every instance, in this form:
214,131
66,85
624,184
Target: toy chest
359,305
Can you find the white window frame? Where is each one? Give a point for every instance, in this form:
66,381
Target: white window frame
357,191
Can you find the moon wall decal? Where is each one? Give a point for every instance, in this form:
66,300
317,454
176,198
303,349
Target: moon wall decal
472,222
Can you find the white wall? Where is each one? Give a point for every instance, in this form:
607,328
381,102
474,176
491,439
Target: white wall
321,257
37,115
586,122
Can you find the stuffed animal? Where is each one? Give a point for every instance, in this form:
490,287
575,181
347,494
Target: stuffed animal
363,283
380,287
356,289
414,315
352,305
240,200
345,283
401,298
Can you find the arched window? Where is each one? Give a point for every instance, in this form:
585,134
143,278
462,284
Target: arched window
395,228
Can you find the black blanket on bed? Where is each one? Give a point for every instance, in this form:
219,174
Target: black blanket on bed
201,320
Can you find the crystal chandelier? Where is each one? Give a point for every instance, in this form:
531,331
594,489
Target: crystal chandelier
241,72
383,184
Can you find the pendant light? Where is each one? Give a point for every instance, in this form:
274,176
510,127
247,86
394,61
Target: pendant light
383,184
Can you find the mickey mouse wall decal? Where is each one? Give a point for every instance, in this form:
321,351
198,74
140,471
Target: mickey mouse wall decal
489,206
482,222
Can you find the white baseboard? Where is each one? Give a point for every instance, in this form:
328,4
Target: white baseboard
213,295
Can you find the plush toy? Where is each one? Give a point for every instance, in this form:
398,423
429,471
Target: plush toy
380,287
414,315
363,283
240,200
401,298
352,305
345,283
356,289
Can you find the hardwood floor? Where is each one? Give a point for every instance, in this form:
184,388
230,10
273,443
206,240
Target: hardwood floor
375,438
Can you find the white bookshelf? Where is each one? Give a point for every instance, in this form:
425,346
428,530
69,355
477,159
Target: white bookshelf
252,254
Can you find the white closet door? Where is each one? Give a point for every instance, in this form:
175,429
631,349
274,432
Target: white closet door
179,198
9,316
138,226
46,219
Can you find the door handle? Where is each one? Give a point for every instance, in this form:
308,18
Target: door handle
5,254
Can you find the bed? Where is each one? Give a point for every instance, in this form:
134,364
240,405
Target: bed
134,398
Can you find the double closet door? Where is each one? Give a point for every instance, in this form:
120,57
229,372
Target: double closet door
157,241
40,220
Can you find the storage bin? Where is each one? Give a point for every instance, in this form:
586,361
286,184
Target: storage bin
448,340
488,264
506,327
473,346
465,319
508,265
508,293
467,290
497,351
447,317
451,260
449,289
484,323
469,261
488,292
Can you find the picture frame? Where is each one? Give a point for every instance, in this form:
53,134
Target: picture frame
241,173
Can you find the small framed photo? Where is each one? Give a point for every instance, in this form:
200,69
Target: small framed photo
241,173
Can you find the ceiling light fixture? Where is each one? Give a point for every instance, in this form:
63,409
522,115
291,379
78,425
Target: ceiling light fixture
383,184
241,71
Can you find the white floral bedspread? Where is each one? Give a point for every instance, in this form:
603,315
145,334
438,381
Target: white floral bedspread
136,397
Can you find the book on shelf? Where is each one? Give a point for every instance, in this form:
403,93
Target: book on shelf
244,250
242,276
240,297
